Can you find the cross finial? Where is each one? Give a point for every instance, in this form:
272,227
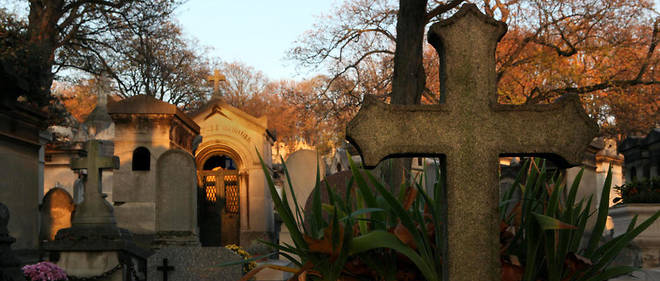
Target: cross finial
102,100
216,78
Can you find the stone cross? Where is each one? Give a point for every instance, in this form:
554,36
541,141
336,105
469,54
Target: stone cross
94,210
165,268
471,130
216,78
102,100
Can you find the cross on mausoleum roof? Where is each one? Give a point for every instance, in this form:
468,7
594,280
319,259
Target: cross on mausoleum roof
216,78
472,130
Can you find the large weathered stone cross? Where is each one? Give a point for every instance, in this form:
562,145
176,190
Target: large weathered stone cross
94,210
471,130
216,78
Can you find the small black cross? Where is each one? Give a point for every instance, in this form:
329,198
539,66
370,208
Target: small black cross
165,268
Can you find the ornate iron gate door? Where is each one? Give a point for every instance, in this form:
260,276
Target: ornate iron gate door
219,212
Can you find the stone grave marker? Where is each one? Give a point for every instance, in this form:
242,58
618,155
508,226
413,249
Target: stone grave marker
193,263
302,171
472,130
94,247
56,213
301,166
338,182
176,199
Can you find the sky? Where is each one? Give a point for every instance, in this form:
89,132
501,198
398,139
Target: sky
257,33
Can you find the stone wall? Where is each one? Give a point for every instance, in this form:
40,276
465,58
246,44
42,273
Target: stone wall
21,171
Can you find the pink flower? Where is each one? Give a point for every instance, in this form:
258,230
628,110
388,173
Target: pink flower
44,271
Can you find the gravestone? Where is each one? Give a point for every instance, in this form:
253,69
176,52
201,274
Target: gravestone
9,265
338,182
471,130
193,263
176,199
301,166
94,247
56,211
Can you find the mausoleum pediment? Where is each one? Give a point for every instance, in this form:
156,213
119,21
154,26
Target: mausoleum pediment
216,110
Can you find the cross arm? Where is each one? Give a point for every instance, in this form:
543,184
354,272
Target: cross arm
560,131
382,130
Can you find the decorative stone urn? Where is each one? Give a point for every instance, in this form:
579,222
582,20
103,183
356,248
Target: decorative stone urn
647,244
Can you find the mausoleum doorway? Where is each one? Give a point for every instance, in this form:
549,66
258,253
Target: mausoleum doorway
219,197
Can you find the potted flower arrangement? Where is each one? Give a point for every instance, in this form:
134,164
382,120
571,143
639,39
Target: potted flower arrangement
44,271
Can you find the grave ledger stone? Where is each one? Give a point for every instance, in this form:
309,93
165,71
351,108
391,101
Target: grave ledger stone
472,130
193,263
94,247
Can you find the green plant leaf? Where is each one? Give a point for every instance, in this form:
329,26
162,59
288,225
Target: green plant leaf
612,272
613,250
382,239
550,223
282,208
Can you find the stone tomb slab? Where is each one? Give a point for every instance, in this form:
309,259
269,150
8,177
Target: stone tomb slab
471,130
194,264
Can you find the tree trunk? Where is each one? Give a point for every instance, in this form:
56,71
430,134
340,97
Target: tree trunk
409,79
42,42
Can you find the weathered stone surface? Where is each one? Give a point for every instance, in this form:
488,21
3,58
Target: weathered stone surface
94,210
55,213
338,182
472,130
91,264
194,263
229,131
9,264
301,166
20,170
138,217
176,198
157,126
92,245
